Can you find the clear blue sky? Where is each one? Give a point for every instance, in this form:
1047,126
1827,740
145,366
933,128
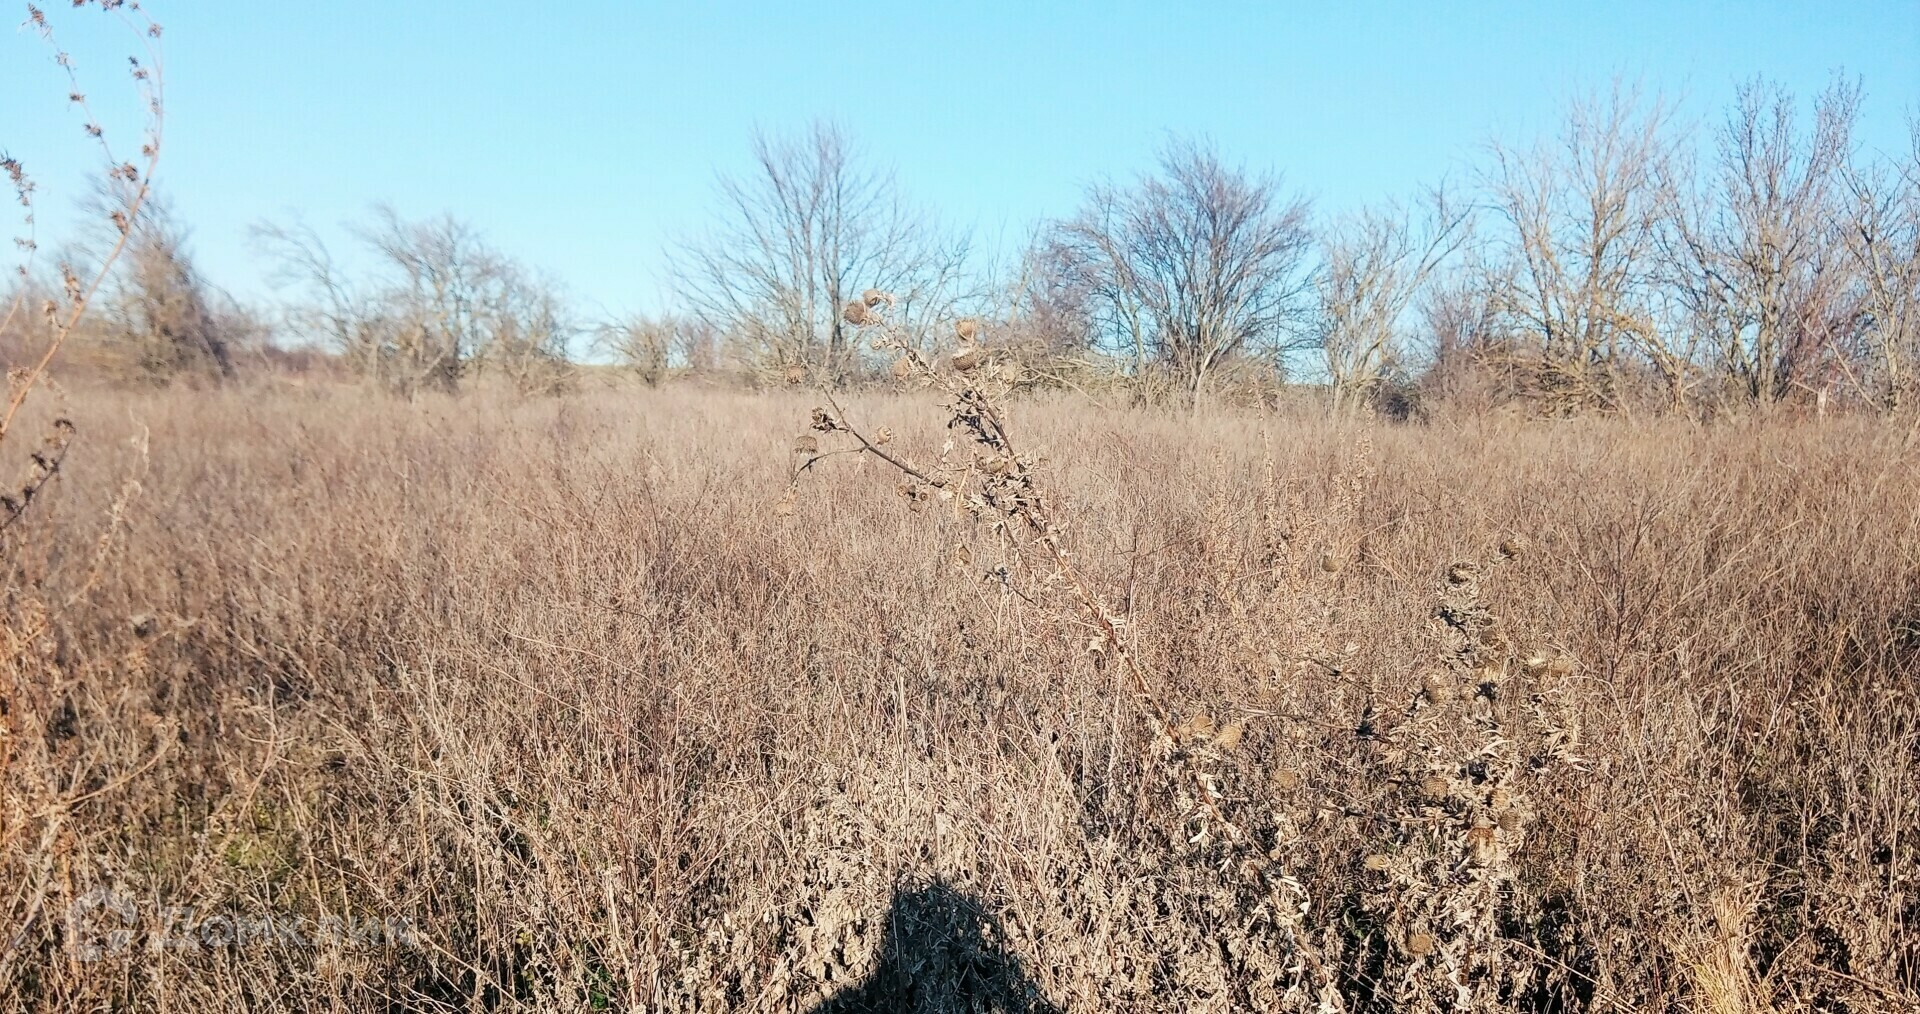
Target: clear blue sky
584,137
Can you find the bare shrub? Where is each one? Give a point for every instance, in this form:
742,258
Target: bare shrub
653,347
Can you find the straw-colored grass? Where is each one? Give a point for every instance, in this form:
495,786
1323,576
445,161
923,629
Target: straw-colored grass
1592,716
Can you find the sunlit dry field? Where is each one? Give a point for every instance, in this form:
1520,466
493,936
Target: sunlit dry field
560,699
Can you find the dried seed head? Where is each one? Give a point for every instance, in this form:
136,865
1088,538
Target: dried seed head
1377,863
1420,945
1329,564
1511,821
1198,727
1434,787
1461,573
1229,737
1500,798
1514,546
873,297
1535,663
966,359
883,437
967,329
1482,845
996,465
1437,687
855,313
1286,779
902,368
806,443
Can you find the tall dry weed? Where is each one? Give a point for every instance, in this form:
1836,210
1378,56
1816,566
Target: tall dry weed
554,691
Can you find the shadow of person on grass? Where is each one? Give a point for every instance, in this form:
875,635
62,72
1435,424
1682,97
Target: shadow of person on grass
936,958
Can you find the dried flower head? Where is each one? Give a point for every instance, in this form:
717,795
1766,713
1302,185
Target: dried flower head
855,313
966,329
1462,573
966,359
1514,546
1437,687
1420,945
1198,727
874,297
806,443
1434,787
1482,845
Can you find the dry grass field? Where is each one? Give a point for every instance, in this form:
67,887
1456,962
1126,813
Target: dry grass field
576,711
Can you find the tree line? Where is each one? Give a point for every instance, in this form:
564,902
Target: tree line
1621,264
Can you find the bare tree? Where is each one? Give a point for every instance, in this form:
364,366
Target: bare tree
1194,265
806,232
1372,269
432,301
1573,260
1050,304
1756,253
1882,238
441,302
157,317
525,329
330,308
